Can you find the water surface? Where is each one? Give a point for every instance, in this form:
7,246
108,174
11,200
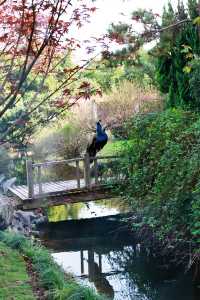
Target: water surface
87,210
101,252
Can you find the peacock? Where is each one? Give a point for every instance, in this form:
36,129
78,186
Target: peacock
99,141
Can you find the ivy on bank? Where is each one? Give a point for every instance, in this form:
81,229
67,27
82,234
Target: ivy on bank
162,166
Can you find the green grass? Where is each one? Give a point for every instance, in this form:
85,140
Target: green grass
113,148
60,286
14,281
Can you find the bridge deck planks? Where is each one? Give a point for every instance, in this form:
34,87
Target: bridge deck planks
48,188
61,192
21,194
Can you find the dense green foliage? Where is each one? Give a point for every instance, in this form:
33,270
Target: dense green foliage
4,161
194,81
13,165
23,115
163,169
176,49
172,63
59,285
111,71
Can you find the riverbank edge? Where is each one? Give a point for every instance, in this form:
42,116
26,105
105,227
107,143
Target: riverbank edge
13,275
57,284
170,252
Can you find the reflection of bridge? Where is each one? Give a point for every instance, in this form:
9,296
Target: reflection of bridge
96,275
85,246
88,184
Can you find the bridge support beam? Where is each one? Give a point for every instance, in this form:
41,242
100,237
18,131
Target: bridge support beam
69,198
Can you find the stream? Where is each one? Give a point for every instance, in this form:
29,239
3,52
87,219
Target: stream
90,241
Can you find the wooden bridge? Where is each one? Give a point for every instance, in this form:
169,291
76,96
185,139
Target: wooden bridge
90,181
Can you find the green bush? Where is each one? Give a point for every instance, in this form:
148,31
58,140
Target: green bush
194,82
5,161
162,165
62,140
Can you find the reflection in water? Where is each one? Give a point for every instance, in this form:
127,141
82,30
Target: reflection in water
103,254
96,275
64,212
86,210
87,265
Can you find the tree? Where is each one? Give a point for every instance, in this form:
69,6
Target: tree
35,42
107,74
177,37
177,48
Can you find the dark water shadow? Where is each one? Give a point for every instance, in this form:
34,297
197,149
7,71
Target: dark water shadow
103,253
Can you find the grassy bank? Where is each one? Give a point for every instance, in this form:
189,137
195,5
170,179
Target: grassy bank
14,280
58,285
113,148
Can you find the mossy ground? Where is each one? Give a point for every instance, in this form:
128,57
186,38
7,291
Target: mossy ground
14,280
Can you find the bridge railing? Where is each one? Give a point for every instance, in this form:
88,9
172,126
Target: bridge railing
89,172
104,170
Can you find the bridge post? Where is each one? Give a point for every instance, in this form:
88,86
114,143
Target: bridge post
39,179
78,174
95,171
87,170
29,173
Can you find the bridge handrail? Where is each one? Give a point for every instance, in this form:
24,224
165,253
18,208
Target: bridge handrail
56,162
30,166
107,157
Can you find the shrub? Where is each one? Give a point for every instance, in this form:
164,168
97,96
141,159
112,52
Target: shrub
162,165
62,140
67,137
5,161
194,82
127,100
